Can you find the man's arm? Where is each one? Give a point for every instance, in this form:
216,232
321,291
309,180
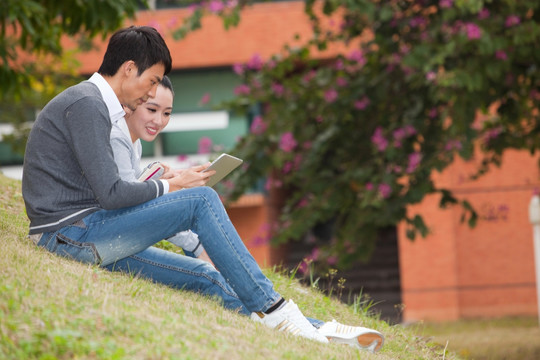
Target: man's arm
89,127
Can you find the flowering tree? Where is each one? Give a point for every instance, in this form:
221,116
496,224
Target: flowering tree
353,139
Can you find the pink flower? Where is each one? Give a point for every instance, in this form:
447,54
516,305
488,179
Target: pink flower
155,25
205,145
242,89
231,4
287,142
473,31
500,55
270,184
303,203
379,140
358,56
255,63
445,4
287,167
362,103
431,76
215,6
205,99
309,76
492,133
409,130
453,145
399,135
369,186
330,95
417,21
172,22
512,20
483,14
341,81
332,260
303,268
339,64
414,161
278,89
315,254
238,69
258,126
384,190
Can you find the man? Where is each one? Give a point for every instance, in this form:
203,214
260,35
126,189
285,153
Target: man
80,208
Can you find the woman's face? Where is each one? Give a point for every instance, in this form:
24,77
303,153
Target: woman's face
147,121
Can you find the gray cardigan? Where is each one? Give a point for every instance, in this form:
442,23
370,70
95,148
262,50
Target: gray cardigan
69,169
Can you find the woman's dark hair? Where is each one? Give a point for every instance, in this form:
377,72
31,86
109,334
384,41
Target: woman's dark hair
142,44
166,82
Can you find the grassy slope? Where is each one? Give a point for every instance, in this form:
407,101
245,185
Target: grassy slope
53,308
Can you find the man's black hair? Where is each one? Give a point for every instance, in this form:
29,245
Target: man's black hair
142,44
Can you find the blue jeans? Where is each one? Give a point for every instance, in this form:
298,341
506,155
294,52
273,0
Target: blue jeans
121,240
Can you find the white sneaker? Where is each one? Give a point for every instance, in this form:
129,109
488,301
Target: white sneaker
359,337
289,319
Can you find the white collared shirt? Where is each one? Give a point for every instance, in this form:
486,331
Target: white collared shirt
116,111
117,114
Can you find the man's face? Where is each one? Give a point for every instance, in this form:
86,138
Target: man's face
137,89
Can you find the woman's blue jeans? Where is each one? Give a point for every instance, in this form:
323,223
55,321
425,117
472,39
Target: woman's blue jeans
122,239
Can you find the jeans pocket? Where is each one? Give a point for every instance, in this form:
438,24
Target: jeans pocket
64,246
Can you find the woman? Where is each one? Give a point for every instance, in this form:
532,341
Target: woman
146,122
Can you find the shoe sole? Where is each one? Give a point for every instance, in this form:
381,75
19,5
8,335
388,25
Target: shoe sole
363,342
366,340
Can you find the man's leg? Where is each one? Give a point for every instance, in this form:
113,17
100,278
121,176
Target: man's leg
108,236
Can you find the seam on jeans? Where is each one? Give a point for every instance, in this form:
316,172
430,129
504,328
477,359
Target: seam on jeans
86,245
174,268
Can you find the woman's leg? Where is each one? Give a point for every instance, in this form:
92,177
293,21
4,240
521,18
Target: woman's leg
180,272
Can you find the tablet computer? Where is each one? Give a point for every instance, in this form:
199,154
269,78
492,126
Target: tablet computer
223,165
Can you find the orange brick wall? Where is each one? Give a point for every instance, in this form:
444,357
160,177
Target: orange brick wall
249,216
487,271
264,29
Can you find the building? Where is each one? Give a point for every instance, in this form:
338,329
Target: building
456,272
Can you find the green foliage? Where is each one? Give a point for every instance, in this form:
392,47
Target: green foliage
33,27
353,140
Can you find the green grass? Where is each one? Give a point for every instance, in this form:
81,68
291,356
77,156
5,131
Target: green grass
54,308
487,339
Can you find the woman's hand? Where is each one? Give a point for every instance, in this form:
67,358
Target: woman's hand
167,172
191,177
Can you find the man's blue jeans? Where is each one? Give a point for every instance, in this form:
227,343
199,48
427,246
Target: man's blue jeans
121,240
